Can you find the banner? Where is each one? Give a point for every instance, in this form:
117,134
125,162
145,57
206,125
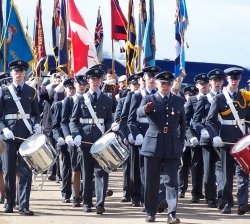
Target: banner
99,36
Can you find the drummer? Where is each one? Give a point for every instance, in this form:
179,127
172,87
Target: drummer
15,123
88,124
231,130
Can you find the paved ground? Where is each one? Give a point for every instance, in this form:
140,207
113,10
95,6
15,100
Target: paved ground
49,209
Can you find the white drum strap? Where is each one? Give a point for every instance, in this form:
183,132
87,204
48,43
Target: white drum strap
143,93
235,114
92,112
19,107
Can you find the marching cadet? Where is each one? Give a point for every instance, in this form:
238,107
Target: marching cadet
231,105
64,154
186,158
91,117
19,117
202,83
76,158
211,159
163,145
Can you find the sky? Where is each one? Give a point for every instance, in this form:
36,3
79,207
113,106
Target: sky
218,32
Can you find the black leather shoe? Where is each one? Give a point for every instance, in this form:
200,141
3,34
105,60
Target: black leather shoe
26,212
172,218
211,204
100,210
109,193
182,195
52,177
87,208
125,199
136,204
1,199
220,204
226,210
162,206
150,218
76,202
65,200
195,200
8,209
243,209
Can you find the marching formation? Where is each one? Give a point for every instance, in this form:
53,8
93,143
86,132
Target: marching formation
78,130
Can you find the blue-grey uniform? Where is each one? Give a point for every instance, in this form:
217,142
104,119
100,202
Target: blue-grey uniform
230,132
84,125
211,159
162,146
11,118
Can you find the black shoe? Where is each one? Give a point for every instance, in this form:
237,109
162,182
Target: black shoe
162,206
52,177
220,204
100,210
65,200
201,196
150,218
211,204
8,209
25,211
125,199
1,199
182,195
136,204
76,202
195,200
172,218
226,210
109,193
243,209
87,208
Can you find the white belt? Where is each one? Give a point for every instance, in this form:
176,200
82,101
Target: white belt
91,121
232,122
142,120
16,116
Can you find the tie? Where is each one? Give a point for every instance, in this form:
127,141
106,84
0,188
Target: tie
153,91
18,90
165,99
234,96
94,97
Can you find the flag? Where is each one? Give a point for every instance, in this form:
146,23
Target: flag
99,36
63,47
149,38
38,38
118,22
140,33
55,27
83,48
181,23
17,44
1,34
131,40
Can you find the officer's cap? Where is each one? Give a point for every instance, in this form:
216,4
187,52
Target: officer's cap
58,75
122,78
52,71
95,73
4,75
19,64
151,71
81,79
69,83
234,73
133,79
201,78
191,90
216,74
165,76
101,66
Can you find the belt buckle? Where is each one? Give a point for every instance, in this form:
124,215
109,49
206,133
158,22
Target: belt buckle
18,116
165,130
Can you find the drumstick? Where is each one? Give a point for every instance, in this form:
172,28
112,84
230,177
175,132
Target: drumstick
90,143
24,139
229,143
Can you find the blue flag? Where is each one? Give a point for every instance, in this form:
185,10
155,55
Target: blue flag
63,47
149,38
18,46
181,23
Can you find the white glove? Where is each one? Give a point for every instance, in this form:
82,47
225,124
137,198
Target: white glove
217,141
194,141
204,133
69,140
125,141
60,141
37,129
115,126
131,139
77,140
139,139
8,133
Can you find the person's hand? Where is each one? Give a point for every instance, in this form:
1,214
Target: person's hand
217,141
204,133
148,107
37,129
69,140
125,141
8,134
60,141
194,141
77,140
115,126
131,139
139,139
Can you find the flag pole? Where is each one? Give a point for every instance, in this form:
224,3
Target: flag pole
4,55
113,60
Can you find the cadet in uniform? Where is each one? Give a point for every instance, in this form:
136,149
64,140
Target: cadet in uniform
162,145
231,130
84,127
15,123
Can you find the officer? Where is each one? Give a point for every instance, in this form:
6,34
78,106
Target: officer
76,157
202,83
210,155
163,144
90,126
232,128
186,158
18,121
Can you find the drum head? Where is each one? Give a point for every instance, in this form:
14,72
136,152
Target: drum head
102,142
241,144
31,144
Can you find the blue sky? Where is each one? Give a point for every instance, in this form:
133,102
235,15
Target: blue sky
219,30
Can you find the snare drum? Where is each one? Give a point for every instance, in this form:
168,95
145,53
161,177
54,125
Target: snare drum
38,152
109,152
241,153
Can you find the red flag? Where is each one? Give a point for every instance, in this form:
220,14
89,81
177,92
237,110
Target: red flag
118,22
83,48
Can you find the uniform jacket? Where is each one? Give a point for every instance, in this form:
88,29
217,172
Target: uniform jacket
56,111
